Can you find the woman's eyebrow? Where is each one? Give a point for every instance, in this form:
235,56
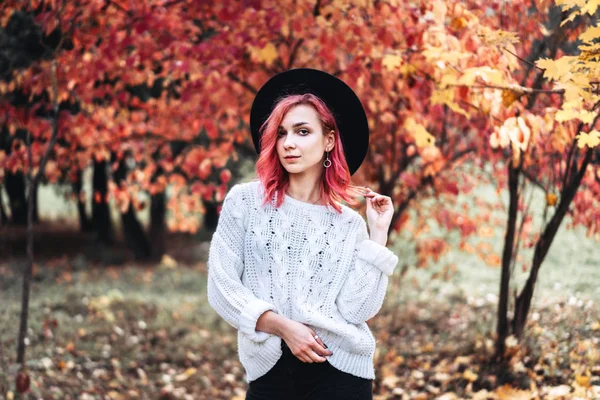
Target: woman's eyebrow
297,124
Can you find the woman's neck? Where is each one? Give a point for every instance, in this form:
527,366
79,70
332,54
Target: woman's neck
308,193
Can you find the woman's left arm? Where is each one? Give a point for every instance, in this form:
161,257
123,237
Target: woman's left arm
364,289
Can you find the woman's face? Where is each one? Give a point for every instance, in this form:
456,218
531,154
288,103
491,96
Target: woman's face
301,135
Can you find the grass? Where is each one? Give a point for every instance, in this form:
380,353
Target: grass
147,331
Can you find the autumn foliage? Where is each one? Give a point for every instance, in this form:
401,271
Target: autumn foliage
159,92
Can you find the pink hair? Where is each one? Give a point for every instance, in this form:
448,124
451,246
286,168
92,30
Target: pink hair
335,185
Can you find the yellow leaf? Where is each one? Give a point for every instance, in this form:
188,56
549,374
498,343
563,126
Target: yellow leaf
590,7
458,23
391,61
571,17
566,115
442,96
266,55
428,348
433,54
559,69
583,380
114,395
419,133
446,96
591,139
596,325
509,97
186,374
551,199
450,77
568,4
589,52
591,33
507,392
168,261
470,375
574,94
407,69
487,74
499,38
587,116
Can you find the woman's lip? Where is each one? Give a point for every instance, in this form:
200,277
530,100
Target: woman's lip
291,157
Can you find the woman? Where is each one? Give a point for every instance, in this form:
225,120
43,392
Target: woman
289,266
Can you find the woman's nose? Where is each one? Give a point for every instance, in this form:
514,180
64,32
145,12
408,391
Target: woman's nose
288,143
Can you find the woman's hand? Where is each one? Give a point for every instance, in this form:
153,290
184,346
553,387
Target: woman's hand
301,341
380,211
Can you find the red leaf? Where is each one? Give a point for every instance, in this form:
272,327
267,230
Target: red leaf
22,382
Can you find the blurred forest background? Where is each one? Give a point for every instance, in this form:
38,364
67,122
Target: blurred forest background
123,125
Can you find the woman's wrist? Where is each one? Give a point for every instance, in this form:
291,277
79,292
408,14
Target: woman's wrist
273,323
379,236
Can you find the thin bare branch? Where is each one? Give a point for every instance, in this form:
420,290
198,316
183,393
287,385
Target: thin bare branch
246,85
533,180
522,59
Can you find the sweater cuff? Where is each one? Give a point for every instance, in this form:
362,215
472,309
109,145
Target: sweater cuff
248,317
377,255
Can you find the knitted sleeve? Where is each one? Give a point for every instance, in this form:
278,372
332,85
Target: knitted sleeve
233,301
364,288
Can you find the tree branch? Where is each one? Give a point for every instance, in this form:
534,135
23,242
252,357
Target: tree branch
294,53
317,9
246,85
533,180
522,59
514,88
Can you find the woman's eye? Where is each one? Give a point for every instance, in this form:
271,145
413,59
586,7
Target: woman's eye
304,130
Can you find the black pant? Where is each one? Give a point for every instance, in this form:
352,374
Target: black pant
292,379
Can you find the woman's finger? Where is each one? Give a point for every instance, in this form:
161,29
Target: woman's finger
321,348
320,341
315,357
304,358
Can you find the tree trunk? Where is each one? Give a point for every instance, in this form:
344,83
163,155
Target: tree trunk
3,216
523,302
134,234
507,255
211,217
84,222
100,208
34,204
26,279
157,225
15,188
135,237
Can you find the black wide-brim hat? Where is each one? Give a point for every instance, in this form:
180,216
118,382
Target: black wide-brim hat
345,105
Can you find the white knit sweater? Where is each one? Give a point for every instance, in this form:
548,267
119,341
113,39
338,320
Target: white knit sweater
304,261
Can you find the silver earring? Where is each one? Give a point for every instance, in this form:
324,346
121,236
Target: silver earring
327,162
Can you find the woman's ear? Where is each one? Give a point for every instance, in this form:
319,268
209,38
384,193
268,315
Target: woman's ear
330,140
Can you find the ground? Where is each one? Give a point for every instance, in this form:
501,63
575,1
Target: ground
102,331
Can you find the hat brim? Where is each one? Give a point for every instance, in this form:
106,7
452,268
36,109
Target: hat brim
345,105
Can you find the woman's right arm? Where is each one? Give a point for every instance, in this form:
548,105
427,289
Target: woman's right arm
234,302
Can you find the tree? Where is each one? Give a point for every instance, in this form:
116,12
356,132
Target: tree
535,137
125,91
